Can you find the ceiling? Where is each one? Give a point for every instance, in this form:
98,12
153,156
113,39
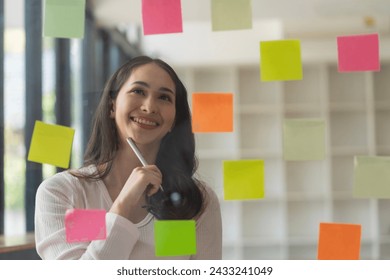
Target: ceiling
300,17
308,20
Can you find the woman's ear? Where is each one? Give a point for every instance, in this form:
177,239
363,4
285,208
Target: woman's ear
112,110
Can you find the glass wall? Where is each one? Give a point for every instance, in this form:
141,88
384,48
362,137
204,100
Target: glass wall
88,61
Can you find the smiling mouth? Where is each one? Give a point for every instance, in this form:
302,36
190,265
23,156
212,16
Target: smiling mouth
144,121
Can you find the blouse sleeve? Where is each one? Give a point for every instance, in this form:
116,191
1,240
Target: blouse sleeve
209,230
54,197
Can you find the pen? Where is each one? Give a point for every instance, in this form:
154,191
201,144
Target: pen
138,154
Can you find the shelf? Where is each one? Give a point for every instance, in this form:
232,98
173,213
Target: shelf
231,216
266,252
252,91
310,90
384,217
382,122
347,87
306,252
211,172
263,133
263,220
355,211
348,129
299,195
252,109
216,141
382,85
342,173
304,218
306,177
384,252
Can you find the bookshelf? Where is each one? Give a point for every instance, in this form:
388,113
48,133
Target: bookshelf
298,194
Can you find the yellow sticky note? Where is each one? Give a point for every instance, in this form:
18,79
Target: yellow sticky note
243,179
231,14
280,60
339,241
175,237
51,144
212,112
303,139
371,177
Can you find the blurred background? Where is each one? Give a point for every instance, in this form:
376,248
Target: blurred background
59,80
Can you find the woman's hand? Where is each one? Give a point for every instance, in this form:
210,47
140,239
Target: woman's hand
142,180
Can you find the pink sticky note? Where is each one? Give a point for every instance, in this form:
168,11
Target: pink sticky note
85,225
161,16
358,53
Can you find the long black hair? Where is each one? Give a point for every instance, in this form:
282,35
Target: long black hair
176,157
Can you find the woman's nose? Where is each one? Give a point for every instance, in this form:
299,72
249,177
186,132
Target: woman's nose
149,106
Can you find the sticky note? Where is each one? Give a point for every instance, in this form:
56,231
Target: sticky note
243,179
175,237
358,53
231,14
371,177
161,16
303,139
83,225
339,241
212,112
64,18
280,60
51,144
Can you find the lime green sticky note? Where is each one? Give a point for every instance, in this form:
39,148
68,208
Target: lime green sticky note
371,177
231,14
175,237
243,179
64,18
304,139
280,60
51,144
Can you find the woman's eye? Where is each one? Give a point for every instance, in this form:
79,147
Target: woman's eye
166,98
138,91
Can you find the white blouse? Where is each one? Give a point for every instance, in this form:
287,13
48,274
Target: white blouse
124,240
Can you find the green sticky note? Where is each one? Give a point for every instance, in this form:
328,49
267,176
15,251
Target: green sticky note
175,238
371,177
64,18
303,139
243,179
280,60
231,14
51,144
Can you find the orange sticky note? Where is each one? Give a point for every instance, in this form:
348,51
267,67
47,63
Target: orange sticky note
339,241
212,112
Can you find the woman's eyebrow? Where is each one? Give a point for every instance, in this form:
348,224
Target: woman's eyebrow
165,89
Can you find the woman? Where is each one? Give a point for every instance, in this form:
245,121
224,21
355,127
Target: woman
146,101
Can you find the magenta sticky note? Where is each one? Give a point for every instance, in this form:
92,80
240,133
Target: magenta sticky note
161,16
358,53
85,225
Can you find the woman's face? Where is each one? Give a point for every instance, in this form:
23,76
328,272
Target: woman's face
145,106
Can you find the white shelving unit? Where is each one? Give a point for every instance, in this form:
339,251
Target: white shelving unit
299,195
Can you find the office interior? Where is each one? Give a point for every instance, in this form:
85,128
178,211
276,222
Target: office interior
58,81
